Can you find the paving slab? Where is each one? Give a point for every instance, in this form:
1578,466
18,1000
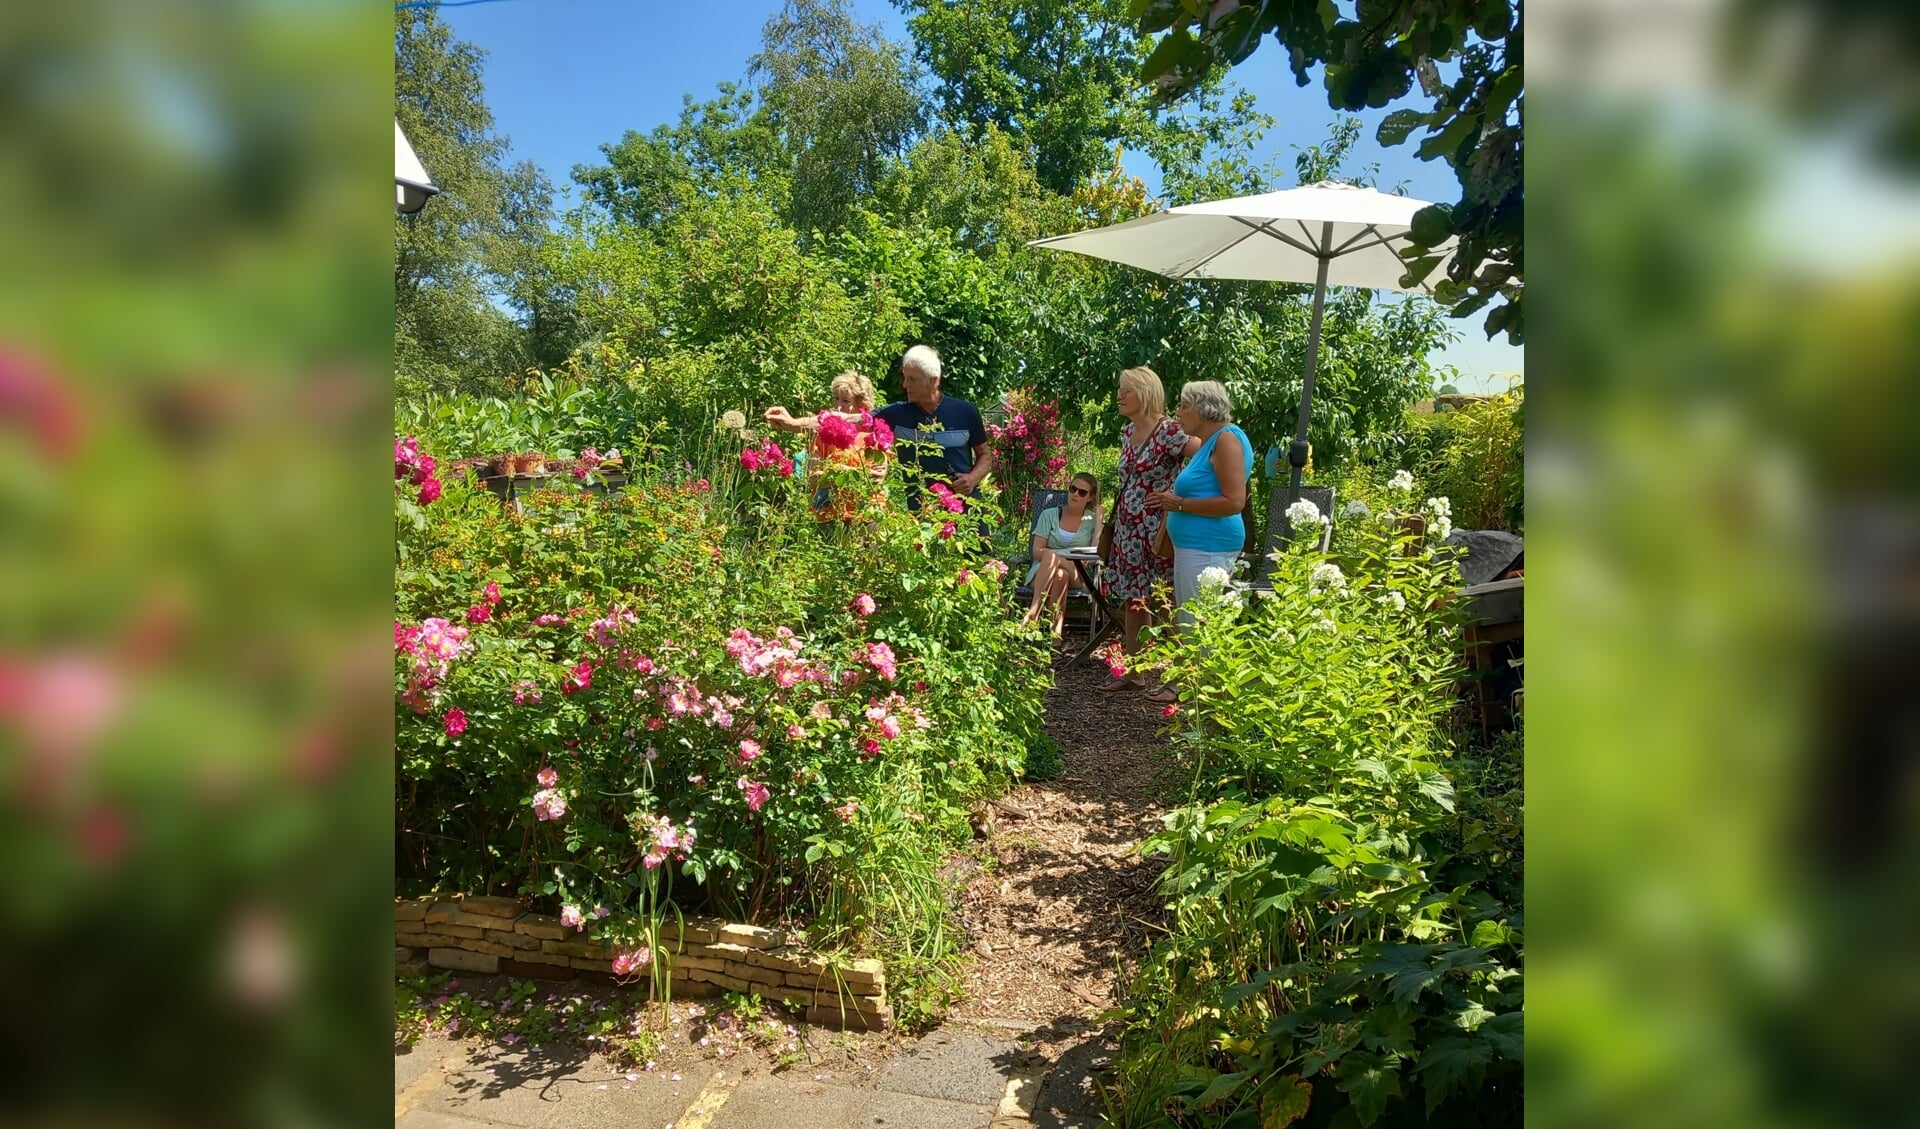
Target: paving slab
1070,1099
955,1066
790,1103
410,1063
886,1108
538,1091
430,1119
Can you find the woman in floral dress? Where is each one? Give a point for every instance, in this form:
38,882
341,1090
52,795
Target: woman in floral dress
1152,447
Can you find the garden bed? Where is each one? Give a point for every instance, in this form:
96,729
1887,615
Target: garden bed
702,957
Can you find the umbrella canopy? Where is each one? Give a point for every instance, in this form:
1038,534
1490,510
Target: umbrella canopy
1325,233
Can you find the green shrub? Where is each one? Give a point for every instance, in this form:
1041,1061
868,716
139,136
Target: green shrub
581,682
1344,897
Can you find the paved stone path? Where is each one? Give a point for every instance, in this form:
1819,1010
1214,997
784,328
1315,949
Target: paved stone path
954,1078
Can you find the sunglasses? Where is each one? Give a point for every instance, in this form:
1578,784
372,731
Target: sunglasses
1080,491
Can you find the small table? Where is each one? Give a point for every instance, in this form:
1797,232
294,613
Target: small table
1105,623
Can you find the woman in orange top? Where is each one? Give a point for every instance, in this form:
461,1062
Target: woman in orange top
839,449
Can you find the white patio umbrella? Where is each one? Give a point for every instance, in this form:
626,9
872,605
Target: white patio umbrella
1323,233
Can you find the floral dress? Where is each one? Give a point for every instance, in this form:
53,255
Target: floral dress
1132,568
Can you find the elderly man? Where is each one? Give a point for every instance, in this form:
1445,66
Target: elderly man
943,436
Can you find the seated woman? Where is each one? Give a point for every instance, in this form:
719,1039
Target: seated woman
852,395
1073,526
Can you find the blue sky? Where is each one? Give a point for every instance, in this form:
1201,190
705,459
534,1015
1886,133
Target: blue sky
564,77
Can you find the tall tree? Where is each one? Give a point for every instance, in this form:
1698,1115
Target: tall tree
718,147
471,249
843,99
1373,58
1062,76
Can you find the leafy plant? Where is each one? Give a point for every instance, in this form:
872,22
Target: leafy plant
1344,897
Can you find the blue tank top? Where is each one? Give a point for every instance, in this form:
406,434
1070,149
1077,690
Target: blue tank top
1197,480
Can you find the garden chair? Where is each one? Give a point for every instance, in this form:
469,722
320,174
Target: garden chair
1078,598
1280,530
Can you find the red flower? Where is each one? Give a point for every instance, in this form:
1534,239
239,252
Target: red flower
479,613
429,491
579,678
947,531
456,722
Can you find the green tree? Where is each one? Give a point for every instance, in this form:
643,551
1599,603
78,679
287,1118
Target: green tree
1373,57
715,306
472,248
1062,76
842,98
719,146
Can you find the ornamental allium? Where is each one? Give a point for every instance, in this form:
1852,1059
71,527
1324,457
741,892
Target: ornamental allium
880,657
479,613
755,791
547,777
549,804
491,593
456,722
1327,577
1401,482
570,916
1303,514
863,605
1213,576
749,751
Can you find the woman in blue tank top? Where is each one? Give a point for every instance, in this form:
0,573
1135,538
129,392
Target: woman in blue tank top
1203,508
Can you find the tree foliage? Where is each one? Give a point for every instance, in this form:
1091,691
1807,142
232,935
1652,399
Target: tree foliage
1373,57
477,241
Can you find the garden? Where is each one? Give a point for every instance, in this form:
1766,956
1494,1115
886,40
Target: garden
653,686
694,706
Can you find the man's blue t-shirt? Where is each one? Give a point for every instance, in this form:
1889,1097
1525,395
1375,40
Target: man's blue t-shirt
940,442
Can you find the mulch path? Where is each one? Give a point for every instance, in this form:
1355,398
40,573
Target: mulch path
1065,904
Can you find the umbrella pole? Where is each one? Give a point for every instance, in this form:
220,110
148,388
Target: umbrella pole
1297,451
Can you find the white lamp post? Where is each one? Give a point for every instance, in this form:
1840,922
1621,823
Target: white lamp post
410,184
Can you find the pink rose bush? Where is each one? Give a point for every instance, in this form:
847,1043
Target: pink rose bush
1029,448
620,669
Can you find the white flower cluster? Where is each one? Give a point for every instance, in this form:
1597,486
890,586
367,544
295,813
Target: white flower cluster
1402,482
1327,578
1440,518
1326,624
1398,601
733,419
1304,515
1356,509
1213,576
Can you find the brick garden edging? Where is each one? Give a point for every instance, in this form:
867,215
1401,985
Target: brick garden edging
487,934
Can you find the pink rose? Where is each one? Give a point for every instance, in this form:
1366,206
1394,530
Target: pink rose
571,916
491,593
456,722
863,605
429,491
479,613
749,751
547,777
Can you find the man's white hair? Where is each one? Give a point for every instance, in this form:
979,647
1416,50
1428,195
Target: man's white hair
922,359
